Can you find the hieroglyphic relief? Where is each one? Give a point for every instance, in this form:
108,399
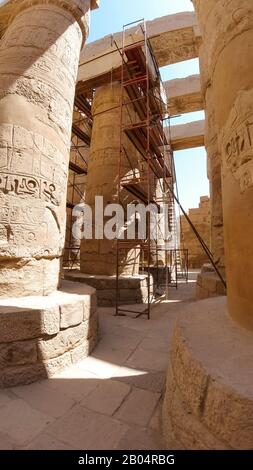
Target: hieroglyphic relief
46,76
33,176
39,56
237,140
183,46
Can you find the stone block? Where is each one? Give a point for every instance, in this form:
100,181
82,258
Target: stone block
18,353
132,289
79,426
199,280
221,290
189,375
184,427
26,374
107,397
105,302
108,294
71,314
208,396
202,293
209,282
21,422
57,364
21,324
127,294
49,348
93,327
90,306
229,415
81,351
42,396
138,407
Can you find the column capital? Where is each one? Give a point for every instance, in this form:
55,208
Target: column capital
78,8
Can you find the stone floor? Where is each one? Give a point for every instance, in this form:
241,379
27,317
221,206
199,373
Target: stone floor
111,400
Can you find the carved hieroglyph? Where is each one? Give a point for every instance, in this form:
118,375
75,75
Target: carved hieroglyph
227,28
237,140
39,55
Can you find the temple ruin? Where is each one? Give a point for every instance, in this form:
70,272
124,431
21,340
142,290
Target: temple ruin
145,333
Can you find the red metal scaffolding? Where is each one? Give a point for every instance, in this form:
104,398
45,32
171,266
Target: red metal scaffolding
80,143
141,92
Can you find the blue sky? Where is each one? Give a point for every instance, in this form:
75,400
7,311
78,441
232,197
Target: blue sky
109,18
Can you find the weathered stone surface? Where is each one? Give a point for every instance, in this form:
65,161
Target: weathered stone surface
71,314
227,31
33,346
107,397
44,398
21,324
92,327
185,136
84,349
138,407
40,48
208,402
209,284
200,217
26,374
182,427
189,375
22,352
132,289
233,410
98,256
57,364
21,422
184,95
80,425
65,340
179,30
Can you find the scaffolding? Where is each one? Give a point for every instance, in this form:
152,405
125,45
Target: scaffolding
141,91
152,177
80,143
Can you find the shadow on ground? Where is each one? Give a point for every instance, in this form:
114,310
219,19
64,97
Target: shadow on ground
110,400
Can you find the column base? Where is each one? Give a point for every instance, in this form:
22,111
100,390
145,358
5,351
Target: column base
159,275
132,289
209,284
42,335
208,401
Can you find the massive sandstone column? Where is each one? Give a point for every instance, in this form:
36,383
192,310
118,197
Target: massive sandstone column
214,175
209,385
39,55
98,256
227,28
208,282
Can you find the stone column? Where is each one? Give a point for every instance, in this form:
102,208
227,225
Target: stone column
208,282
42,330
98,264
39,55
209,385
98,256
227,35
217,237
214,175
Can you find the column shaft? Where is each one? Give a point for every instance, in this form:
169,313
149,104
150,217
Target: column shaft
98,256
39,57
227,28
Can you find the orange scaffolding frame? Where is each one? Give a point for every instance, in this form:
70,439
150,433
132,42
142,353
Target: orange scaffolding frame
140,90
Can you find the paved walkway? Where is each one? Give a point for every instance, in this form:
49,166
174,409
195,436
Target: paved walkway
111,400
